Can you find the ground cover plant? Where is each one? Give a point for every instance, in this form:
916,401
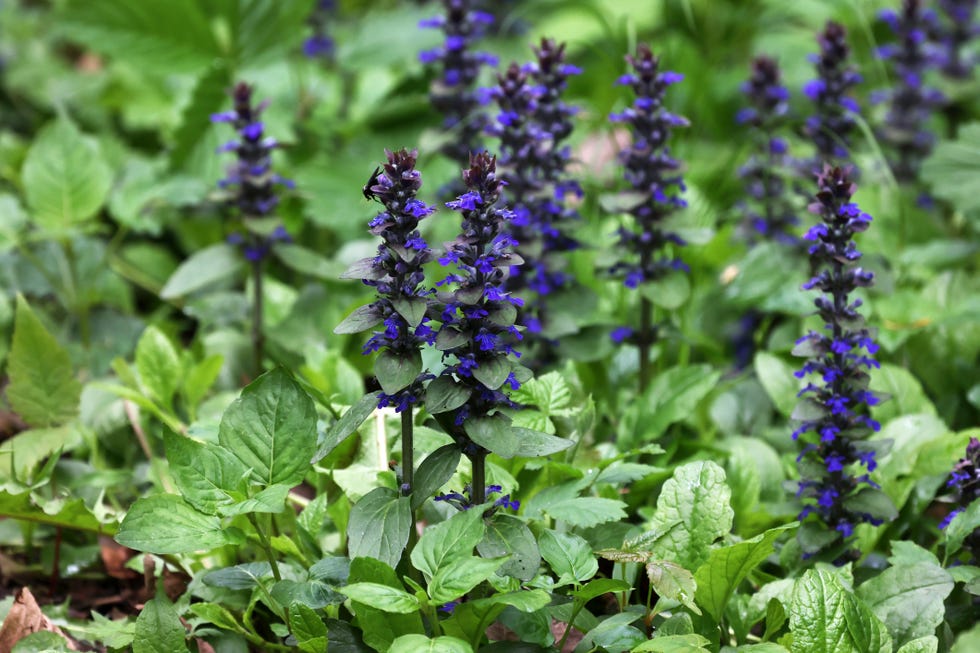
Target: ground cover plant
470,326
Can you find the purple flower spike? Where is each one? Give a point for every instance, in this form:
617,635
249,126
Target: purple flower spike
964,481
843,399
831,125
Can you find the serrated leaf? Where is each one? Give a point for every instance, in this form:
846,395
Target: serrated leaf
71,514
548,392
961,526
43,389
308,628
827,618
196,138
693,511
674,644
379,526
586,512
165,523
271,428
953,170
204,473
908,599
422,644
727,567
396,371
201,269
65,178
507,535
671,581
460,575
445,541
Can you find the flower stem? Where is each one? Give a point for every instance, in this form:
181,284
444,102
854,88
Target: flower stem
478,495
408,452
266,546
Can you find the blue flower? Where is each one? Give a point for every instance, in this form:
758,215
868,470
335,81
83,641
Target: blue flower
954,35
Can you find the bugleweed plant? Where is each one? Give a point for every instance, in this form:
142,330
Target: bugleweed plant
350,452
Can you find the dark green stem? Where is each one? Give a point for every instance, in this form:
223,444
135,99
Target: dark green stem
408,452
266,546
478,492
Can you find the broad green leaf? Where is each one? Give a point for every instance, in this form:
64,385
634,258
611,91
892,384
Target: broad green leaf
827,618
674,644
204,473
548,393
669,292
379,526
271,428
493,372
65,178
953,170
434,472
692,512
461,574
166,36
929,644
904,391
165,523
778,380
764,647
671,581
674,394
308,628
270,500
240,577
158,628
598,587
967,642
379,628
961,526
397,371
200,377
872,502
908,599
422,644
42,641
43,390
21,455
444,394
216,614
728,566
158,365
569,555
493,433
202,269
586,512
349,422
381,597
507,535
448,540
71,514
312,593
412,309
534,444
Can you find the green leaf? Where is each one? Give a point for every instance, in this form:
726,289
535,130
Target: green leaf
165,523
412,309
534,444
379,628
693,511
240,577
444,394
158,365
493,372
65,178
43,641
728,566
872,502
379,526
422,644
397,371
448,540
196,138
569,555
71,514
381,597
778,381
953,170
669,292
675,644
675,394
961,526
908,599
349,422
166,36
598,587
204,473
673,582
434,472
904,392
201,377
928,644
217,615
21,455
43,390
361,319
459,575
493,433
586,512
271,428
202,269
158,628
270,500
308,628
507,535
827,618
